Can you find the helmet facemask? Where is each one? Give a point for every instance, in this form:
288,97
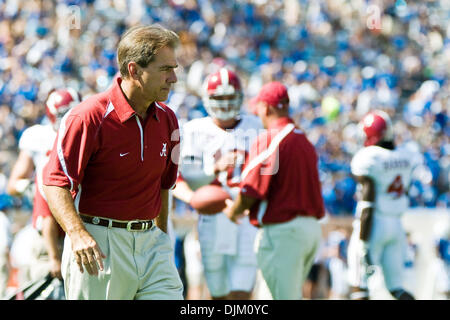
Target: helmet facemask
60,112
223,107
222,95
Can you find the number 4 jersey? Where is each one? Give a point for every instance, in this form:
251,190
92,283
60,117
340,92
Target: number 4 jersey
391,172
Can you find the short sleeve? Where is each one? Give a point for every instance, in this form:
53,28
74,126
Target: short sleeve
363,163
73,147
24,140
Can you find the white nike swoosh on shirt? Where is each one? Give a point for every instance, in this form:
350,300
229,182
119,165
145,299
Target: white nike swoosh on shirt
124,154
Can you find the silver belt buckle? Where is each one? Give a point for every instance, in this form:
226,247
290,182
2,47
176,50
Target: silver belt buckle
145,225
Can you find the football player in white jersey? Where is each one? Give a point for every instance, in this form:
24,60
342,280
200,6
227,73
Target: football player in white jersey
35,145
384,174
213,150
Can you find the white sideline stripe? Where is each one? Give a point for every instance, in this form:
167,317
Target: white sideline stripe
268,152
61,131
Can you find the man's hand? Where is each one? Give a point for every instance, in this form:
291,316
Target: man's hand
230,212
238,209
55,268
366,260
87,252
225,162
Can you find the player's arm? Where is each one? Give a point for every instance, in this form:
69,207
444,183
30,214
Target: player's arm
20,174
182,191
225,162
50,233
367,202
87,252
237,208
161,219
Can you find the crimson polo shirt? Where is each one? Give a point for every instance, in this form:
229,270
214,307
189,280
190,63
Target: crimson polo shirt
282,172
114,162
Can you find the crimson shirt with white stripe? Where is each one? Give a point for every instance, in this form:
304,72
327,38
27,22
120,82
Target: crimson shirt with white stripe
282,173
114,162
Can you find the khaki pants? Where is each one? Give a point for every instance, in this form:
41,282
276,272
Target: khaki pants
138,265
285,254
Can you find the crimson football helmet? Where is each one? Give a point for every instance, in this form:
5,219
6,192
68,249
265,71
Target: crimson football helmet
376,126
59,101
222,96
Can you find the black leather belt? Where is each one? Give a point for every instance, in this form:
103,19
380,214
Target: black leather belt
133,225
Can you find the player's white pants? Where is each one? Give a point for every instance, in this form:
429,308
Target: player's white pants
356,270
387,246
229,261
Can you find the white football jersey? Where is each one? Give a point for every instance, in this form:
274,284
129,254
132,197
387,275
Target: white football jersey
38,141
203,143
391,171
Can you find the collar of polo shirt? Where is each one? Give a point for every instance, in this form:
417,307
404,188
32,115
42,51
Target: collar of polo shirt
123,109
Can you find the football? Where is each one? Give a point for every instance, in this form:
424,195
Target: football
209,199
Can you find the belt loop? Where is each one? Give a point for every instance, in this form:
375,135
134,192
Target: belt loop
110,222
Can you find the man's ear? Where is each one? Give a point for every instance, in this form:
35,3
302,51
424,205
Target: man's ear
133,70
266,108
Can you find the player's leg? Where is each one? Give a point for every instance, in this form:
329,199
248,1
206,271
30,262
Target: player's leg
356,268
194,268
40,263
243,265
392,264
247,275
372,256
215,270
242,280
214,264
49,247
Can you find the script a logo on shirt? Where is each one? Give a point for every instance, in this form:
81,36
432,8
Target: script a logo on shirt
163,152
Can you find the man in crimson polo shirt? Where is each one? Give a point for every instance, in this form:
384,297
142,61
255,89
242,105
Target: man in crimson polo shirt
107,180
281,188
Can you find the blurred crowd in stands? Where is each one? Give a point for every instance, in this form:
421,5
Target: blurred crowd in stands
339,59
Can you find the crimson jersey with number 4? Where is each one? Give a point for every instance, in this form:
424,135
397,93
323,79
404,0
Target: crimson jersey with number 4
391,171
